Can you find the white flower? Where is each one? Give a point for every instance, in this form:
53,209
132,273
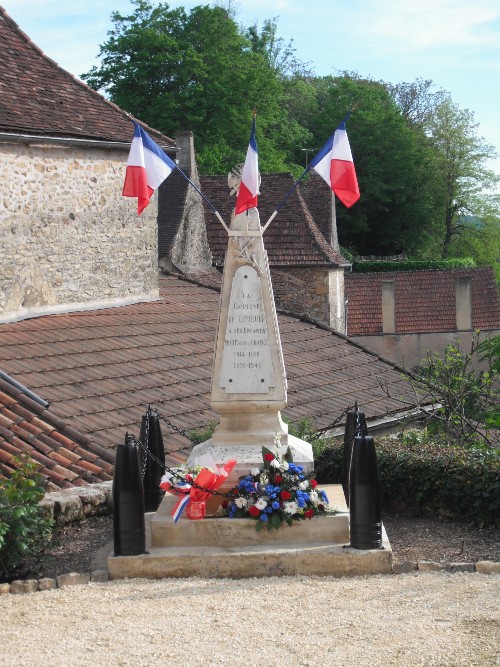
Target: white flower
255,471
303,485
261,504
275,463
291,507
241,502
284,465
313,497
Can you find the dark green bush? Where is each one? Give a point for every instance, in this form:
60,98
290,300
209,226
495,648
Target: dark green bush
414,265
25,532
423,476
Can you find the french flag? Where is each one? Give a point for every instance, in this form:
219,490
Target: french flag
147,167
249,187
335,165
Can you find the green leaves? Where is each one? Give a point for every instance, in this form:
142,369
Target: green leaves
426,474
24,532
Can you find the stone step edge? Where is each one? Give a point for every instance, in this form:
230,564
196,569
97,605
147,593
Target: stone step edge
101,576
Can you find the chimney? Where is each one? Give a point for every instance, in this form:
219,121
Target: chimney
463,303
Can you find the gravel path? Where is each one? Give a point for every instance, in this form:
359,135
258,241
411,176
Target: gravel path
435,619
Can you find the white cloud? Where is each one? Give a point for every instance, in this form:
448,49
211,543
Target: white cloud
440,24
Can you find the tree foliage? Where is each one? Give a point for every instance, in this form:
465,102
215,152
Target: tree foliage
197,71
464,178
465,400
421,165
25,533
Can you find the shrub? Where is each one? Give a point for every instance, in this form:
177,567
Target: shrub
467,399
425,475
198,436
25,533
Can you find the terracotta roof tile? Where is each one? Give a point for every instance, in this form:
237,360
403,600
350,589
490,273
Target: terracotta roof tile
165,358
23,431
39,97
424,300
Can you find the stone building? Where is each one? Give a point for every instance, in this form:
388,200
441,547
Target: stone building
403,315
69,240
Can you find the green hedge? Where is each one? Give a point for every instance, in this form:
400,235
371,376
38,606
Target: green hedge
425,477
414,265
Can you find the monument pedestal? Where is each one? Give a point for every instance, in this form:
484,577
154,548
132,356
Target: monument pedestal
223,547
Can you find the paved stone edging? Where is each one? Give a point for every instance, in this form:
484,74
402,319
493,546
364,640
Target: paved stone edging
100,576
76,503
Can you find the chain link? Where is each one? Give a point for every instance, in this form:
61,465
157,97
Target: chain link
231,494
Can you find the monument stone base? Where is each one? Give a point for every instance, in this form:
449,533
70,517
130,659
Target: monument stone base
223,547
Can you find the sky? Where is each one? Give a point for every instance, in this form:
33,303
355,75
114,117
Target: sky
454,43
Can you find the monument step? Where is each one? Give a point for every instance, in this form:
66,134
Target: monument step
238,551
332,560
225,532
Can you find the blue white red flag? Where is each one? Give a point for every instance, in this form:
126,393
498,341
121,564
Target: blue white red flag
147,167
249,187
335,165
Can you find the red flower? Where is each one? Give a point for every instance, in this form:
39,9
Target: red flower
225,504
278,479
254,511
309,513
285,495
313,483
268,457
321,507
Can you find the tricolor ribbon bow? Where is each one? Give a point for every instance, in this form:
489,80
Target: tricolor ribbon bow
206,479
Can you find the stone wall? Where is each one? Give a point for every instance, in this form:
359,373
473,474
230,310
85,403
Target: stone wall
317,292
411,349
68,237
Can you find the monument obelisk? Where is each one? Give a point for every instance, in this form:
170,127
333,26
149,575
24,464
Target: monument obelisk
249,387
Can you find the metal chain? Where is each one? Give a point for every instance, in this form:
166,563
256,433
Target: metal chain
146,443
176,474
144,447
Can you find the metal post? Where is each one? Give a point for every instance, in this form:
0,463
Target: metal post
129,531
364,503
153,466
355,425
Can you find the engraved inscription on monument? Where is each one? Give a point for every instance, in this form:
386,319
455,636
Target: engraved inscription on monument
246,366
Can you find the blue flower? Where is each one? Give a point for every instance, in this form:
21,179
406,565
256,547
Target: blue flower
275,505
263,517
269,510
324,497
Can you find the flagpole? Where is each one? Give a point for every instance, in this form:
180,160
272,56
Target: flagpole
285,199
216,212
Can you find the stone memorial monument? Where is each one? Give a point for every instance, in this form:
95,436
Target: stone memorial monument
248,380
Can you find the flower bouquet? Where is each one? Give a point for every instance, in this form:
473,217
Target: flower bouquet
195,485
277,492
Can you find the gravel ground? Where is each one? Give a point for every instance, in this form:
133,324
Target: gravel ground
442,620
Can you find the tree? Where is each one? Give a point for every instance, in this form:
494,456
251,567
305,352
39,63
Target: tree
279,55
480,236
464,180
463,400
394,164
176,70
416,101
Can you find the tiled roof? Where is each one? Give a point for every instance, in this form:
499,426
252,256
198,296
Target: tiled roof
39,97
100,370
294,238
66,457
424,300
